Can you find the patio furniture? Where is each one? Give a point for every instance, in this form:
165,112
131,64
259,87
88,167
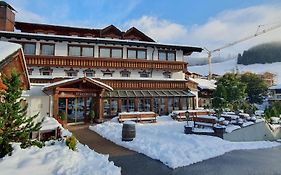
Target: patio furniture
203,121
128,131
137,116
181,115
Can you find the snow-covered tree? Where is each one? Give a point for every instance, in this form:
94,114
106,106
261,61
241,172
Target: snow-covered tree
15,125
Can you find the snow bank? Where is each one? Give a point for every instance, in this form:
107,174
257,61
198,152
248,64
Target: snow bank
57,158
166,141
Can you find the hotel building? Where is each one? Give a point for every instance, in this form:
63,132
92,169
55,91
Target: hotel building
74,70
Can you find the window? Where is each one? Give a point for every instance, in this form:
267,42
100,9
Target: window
116,53
85,51
46,71
125,73
107,73
29,48
145,74
167,74
167,55
71,72
108,52
30,70
143,105
137,54
47,49
89,72
105,52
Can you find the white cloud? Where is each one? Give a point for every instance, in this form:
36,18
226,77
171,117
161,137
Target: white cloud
161,30
219,30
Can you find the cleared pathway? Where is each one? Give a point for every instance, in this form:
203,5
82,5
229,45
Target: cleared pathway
250,162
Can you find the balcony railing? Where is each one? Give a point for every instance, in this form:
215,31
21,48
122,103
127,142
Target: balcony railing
91,62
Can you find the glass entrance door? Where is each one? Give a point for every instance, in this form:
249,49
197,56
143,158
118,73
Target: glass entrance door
71,110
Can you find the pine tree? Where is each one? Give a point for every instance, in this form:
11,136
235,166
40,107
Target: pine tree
15,126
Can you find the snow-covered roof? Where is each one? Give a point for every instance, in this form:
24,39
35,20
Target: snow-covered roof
99,40
74,79
204,83
7,49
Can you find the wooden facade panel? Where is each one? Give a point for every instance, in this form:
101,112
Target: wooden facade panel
63,61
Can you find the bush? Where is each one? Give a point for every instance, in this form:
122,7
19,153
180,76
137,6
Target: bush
63,116
37,143
71,142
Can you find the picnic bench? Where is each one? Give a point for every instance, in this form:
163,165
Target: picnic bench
204,121
137,116
196,113
180,115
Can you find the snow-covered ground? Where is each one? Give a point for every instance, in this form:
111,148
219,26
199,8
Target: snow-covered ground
166,141
57,158
231,65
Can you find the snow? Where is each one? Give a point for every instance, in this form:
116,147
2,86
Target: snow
7,49
56,158
128,113
247,124
166,141
231,128
49,123
231,65
204,83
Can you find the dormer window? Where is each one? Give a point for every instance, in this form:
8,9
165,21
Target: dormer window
107,73
167,74
89,72
145,74
125,73
71,72
46,71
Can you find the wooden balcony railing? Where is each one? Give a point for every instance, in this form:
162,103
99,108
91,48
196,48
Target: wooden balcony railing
91,62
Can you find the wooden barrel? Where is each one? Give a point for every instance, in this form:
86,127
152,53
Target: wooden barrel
128,132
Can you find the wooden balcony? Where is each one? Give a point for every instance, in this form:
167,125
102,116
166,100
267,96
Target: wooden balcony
91,62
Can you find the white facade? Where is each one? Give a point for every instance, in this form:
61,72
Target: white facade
39,101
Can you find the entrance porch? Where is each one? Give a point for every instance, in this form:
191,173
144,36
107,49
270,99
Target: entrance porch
76,98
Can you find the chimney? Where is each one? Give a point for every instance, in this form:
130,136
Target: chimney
7,17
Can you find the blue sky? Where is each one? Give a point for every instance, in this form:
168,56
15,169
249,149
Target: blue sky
205,23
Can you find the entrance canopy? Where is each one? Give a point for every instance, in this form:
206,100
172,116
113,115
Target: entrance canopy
149,93
78,82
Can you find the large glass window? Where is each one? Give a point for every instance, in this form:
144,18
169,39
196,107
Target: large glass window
116,53
144,105
136,54
123,105
47,49
131,105
132,54
162,56
74,51
109,52
176,103
29,48
167,55
87,51
105,52
170,105
184,103
114,107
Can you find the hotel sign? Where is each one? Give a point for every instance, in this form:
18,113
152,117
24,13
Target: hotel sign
86,94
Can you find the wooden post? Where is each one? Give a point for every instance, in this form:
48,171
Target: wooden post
119,105
136,100
56,103
151,104
99,118
166,105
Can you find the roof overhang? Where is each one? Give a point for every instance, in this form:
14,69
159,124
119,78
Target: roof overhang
76,80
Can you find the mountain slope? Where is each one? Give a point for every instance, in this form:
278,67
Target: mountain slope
231,66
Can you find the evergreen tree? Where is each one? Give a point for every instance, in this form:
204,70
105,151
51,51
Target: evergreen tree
229,92
15,126
256,87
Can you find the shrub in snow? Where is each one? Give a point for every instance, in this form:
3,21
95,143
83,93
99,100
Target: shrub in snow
71,142
15,126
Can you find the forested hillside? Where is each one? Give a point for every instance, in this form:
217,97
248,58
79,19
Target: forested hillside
263,53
